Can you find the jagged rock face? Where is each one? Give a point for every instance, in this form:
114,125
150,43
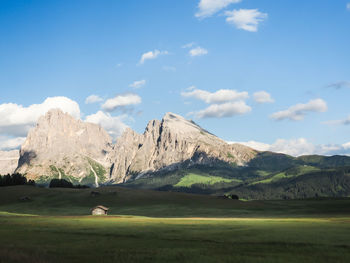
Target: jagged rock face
169,144
8,161
123,154
61,146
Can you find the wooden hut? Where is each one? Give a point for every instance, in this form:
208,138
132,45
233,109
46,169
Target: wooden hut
99,210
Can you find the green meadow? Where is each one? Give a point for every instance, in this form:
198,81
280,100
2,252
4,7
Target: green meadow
191,178
149,226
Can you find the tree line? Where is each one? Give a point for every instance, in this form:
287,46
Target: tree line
15,179
62,183
19,179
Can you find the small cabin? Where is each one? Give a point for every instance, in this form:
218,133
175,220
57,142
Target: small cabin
99,210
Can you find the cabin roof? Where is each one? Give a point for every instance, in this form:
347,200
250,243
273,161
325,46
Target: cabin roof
101,207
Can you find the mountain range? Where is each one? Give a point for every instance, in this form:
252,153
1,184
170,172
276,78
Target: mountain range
173,154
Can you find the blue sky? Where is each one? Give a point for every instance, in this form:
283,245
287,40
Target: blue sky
203,59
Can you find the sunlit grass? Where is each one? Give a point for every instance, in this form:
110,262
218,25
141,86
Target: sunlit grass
147,239
151,226
192,178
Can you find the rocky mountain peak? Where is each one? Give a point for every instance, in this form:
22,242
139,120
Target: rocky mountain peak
173,116
179,123
62,145
171,143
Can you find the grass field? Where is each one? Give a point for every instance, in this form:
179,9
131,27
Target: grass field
147,226
191,178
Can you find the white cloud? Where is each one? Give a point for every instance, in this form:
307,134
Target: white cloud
208,8
298,111
227,109
260,146
8,143
246,19
294,147
224,102
114,125
345,121
299,146
220,96
138,84
348,6
262,97
16,120
152,55
121,101
198,51
93,99
346,146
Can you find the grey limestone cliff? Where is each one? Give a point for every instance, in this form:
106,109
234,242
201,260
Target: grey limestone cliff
63,147
170,144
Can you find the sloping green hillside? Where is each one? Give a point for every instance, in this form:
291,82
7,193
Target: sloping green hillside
191,178
269,176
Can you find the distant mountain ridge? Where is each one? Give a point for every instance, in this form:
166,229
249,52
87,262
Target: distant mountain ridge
8,161
63,147
173,154
170,144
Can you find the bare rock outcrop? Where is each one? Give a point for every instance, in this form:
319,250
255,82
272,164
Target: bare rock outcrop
8,161
61,146
169,144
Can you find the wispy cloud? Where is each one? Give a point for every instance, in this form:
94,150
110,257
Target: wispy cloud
227,109
345,121
223,103
114,125
207,8
246,19
138,84
220,96
348,6
151,55
298,111
198,51
195,51
121,101
93,99
263,97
